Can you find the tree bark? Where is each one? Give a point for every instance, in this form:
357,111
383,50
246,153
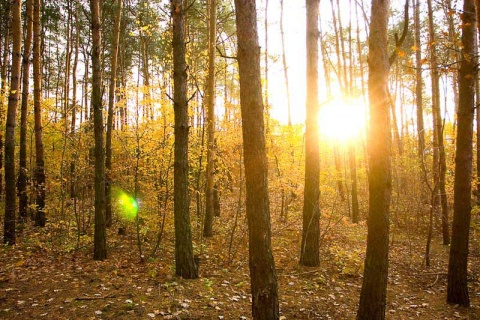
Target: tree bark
374,288
262,267
111,106
285,68
22,174
439,161
419,84
3,84
40,218
210,102
185,265
309,251
13,95
457,287
99,237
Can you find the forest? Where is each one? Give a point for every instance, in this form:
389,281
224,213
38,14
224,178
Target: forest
239,159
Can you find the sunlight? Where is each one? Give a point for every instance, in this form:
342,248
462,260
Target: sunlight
342,120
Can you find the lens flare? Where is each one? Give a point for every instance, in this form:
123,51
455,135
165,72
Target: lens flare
128,205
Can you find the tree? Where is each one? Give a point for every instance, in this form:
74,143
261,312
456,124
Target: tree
263,278
10,197
374,288
111,105
309,251
439,161
210,102
22,175
100,237
457,287
5,34
185,265
40,218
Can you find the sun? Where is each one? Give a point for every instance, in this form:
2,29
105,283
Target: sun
342,120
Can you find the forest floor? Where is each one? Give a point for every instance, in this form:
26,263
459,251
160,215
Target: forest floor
38,281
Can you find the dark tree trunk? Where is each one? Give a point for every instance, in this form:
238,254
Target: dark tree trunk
352,158
111,103
374,288
262,267
10,197
100,234
309,251
185,265
40,218
439,161
3,84
22,174
419,83
210,102
457,288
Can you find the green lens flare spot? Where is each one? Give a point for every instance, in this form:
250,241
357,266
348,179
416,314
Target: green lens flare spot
128,205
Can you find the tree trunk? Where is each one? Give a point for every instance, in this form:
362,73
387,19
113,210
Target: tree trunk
419,85
309,251
3,84
10,198
22,174
374,288
262,267
457,288
210,102
99,237
111,105
352,159
185,265
73,121
285,68
439,165
40,218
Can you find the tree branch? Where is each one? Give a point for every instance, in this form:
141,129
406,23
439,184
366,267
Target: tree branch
399,42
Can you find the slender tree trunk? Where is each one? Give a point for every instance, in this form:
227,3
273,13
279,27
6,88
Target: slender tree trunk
262,267
22,174
457,287
111,106
439,165
185,265
374,288
73,121
100,236
338,170
3,84
210,102
285,68
40,218
68,57
10,198
352,158
419,83
309,251
452,34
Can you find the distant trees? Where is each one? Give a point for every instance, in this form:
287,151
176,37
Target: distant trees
262,267
374,288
